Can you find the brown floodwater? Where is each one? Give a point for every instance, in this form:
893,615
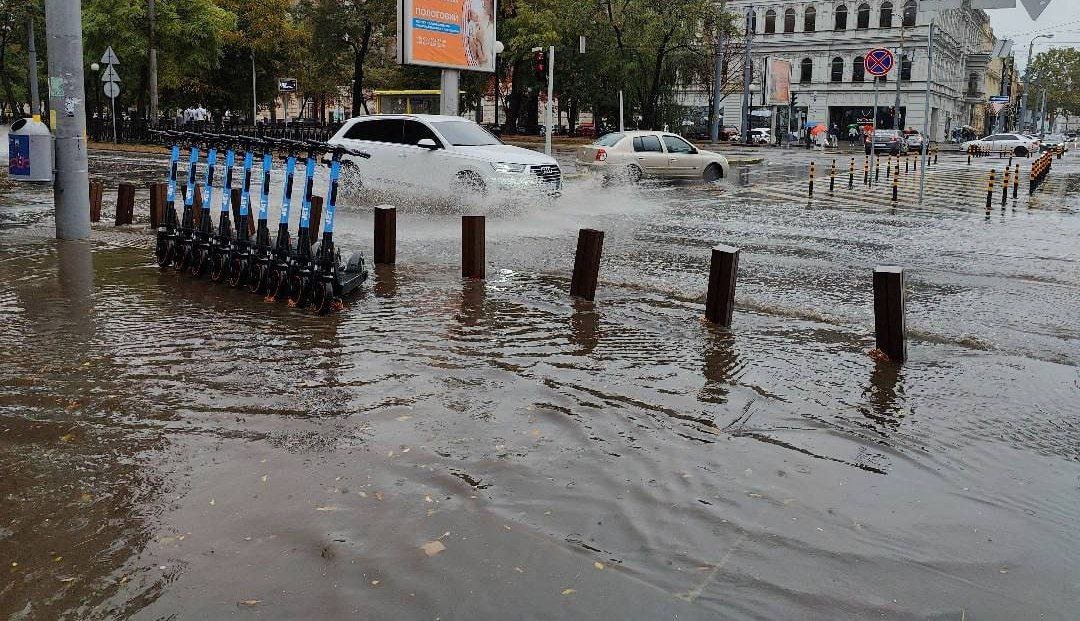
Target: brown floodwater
448,449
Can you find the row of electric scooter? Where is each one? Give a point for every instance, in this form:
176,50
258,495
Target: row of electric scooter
281,268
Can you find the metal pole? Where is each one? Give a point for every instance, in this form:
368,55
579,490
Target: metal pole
1024,114
550,99
1042,112
747,67
899,79
497,93
450,92
71,189
622,125
718,74
31,52
873,163
151,16
254,94
112,104
926,110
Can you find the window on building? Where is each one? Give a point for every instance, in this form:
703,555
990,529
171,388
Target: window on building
810,19
905,69
885,21
770,21
841,18
858,69
806,73
837,69
751,22
862,21
910,8
973,83
789,20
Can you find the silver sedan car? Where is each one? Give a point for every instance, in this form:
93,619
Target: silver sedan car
637,154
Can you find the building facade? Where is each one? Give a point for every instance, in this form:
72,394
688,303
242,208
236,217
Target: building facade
826,41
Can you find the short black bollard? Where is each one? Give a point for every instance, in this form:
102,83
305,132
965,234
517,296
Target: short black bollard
125,204
97,189
1005,187
866,170
158,194
810,191
851,175
877,169
832,177
1016,180
723,271
472,247
385,235
590,245
990,191
896,183
888,168
890,330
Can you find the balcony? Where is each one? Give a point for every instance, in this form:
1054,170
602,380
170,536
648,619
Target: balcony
974,97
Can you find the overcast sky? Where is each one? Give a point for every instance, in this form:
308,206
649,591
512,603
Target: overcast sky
1060,18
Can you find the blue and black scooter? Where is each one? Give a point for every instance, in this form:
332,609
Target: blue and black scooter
167,228
301,269
262,253
203,237
240,257
222,246
334,281
280,264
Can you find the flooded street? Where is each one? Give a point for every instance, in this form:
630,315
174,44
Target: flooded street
449,449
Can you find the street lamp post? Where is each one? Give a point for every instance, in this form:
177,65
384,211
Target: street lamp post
1025,113
94,67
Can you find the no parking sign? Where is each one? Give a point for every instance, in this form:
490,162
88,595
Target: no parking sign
879,62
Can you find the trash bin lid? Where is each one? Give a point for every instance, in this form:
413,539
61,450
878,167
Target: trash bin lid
29,127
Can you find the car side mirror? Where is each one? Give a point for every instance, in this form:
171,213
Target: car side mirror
427,143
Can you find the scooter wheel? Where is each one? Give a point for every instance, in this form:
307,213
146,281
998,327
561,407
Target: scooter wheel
183,258
299,290
218,267
161,251
199,262
322,297
170,254
238,272
279,285
257,282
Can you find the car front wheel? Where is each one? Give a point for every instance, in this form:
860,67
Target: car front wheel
713,173
1020,152
633,173
469,182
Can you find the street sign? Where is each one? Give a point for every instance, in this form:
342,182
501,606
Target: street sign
109,58
286,85
112,89
879,62
1000,99
110,75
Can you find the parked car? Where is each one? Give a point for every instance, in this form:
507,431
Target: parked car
761,135
914,139
440,153
1019,145
640,154
1054,142
890,140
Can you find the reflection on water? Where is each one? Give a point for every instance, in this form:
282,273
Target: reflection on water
173,448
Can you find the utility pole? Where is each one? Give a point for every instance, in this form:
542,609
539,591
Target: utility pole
550,100
718,73
151,15
1025,114
254,94
899,79
747,68
31,53
448,101
926,110
71,189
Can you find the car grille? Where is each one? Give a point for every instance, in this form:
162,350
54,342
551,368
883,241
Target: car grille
549,174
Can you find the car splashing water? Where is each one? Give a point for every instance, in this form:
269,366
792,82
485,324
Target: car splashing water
464,449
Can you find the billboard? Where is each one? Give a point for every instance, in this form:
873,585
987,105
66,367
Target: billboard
778,83
452,34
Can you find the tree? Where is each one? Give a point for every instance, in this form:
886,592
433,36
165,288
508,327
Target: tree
1057,71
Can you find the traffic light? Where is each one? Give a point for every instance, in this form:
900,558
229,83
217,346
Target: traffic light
540,65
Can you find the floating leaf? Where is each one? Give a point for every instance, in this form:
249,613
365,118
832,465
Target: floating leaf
598,565
250,602
569,591
432,548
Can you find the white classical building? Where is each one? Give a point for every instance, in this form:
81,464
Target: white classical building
826,40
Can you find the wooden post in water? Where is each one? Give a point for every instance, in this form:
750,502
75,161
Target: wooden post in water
890,330
125,204
472,247
385,235
315,230
590,245
158,194
97,188
723,271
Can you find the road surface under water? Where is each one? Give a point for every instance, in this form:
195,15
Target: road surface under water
460,450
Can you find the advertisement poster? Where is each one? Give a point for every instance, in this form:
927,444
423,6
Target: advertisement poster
778,83
452,34
19,155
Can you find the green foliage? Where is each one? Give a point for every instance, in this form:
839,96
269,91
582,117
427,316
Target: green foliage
1058,71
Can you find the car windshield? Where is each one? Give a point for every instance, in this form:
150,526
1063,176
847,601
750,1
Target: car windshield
886,133
465,133
609,140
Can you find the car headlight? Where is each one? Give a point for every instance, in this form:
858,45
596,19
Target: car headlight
505,167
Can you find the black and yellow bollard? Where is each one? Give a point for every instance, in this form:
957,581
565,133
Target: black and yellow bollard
1016,180
907,162
1005,187
969,157
990,191
851,175
896,182
810,191
832,177
877,169
888,167
866,170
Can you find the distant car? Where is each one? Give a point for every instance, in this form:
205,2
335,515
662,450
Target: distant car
440,153
890,140
914,139
1019,145
638,154
1054,142
761,135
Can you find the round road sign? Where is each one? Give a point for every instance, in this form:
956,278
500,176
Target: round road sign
879,62
112,89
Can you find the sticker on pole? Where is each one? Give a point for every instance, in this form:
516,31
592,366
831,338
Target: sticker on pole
879,62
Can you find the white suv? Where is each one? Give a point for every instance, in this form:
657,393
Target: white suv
444,153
